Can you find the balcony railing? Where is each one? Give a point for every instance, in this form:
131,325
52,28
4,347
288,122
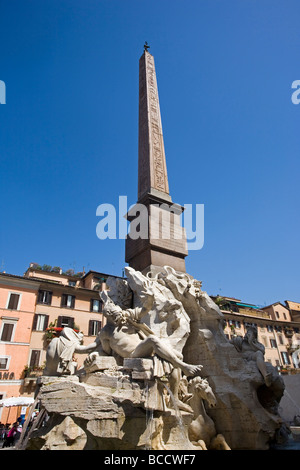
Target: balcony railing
31,375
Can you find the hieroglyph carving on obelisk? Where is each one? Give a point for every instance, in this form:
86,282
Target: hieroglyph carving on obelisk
162,241
152,161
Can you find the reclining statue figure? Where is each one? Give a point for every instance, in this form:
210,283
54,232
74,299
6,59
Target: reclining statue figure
126,336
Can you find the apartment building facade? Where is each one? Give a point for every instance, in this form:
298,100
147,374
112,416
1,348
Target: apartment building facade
288,332
294,309
17,307
34,308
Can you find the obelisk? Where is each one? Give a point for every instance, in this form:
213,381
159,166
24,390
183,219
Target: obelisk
165,241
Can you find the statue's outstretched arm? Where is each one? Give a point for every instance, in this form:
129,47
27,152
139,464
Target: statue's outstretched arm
88,348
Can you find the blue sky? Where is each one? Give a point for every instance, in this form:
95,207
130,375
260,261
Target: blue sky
69,132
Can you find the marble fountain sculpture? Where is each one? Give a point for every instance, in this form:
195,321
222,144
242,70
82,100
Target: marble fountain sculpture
160,375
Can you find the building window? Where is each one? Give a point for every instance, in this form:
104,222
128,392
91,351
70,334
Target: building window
273,343
13,302
280,339
68,301
72,283
40,322
65,322
4,362
44,297
7,331
270,328
96,305
35,358
94,327
285,358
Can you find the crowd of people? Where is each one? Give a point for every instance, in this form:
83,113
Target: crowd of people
10,433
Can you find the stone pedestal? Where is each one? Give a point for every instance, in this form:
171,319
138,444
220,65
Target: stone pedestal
101,363
109,408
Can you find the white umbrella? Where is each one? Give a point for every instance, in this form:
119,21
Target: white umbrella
16,401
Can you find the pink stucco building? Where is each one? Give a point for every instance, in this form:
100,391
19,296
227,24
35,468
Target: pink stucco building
17,307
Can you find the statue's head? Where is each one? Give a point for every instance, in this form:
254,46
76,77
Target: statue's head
251,332
111,311
200,388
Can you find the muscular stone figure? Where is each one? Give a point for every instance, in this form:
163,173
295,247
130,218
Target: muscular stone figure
252,350
126,336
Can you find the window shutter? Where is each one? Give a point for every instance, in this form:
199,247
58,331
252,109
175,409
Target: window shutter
71,322
7,332
13,301
59,321
91,306
49,298
35,358
35,319
73,301
91,327
46,322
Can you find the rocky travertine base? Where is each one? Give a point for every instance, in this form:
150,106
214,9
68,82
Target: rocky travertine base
106,409
247,410
106,406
